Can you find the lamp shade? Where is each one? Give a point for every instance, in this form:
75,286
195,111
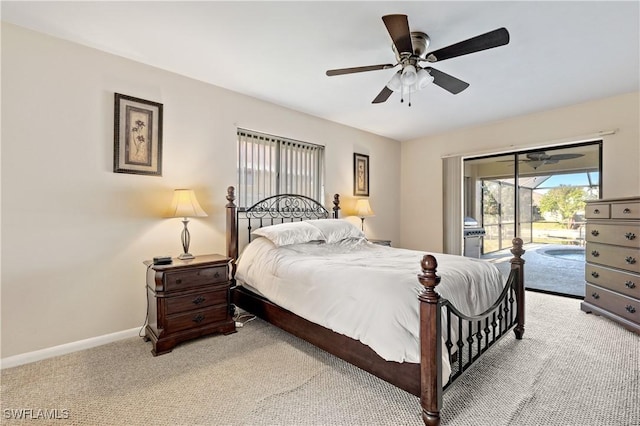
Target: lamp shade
395,83
409,75
424,79
363,209
185,204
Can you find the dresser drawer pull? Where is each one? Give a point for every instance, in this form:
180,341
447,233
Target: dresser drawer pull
594,274
630,309
626,211
595,253
216,275
198,319
198,300
630,260
595,233
596,211
178,281
630,284
630,236
595,295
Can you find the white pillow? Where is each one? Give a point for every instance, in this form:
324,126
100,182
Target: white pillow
335,230
287,233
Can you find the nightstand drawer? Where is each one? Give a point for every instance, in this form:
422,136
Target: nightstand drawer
197,301
622,282
195,277
195,319
618,304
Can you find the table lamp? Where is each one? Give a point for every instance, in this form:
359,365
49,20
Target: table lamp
185,205
363,209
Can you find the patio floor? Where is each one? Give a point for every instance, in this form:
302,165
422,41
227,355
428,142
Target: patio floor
553,268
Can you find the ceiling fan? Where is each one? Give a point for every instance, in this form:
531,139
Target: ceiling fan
540,158
410,49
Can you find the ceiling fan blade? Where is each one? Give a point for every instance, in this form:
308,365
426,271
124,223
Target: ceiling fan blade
489,40
383,95
398,27
446,81
341,71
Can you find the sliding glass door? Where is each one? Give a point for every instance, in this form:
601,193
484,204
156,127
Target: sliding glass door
508,194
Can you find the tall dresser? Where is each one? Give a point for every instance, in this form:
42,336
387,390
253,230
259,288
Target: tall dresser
612,270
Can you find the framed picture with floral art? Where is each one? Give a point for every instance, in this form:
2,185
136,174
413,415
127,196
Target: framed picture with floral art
360,175
137,136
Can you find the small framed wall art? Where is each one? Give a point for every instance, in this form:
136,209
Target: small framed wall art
137,136
360,175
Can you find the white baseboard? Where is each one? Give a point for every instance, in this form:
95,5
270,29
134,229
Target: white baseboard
26,358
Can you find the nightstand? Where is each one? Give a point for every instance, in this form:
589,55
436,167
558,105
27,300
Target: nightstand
187,299
381,242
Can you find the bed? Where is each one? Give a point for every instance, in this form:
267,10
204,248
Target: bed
422,347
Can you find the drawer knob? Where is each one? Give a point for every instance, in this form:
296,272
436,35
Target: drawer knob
596,211
595,253
630,309
216,275
595,295
630,260
630,236
595,233
630,284
198,300
626,211
594,274
198,319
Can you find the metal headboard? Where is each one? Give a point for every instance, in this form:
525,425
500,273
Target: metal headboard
270,211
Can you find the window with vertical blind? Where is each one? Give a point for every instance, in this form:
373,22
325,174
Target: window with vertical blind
272,165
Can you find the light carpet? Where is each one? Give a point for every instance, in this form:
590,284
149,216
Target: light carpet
571,368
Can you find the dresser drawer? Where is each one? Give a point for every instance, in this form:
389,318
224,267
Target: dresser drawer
194,277
618,304
195,301
622,282
625,210
614,256
620,234
195,319
597,211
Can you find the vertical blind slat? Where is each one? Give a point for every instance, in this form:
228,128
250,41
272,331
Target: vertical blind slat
270,165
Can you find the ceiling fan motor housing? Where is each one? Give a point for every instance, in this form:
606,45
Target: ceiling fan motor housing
420,42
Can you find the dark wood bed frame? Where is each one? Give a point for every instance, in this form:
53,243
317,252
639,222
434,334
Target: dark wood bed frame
423,380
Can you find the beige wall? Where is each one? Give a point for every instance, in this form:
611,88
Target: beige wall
421,197
74,234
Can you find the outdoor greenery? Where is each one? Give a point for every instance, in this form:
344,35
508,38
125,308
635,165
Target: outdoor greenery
565,201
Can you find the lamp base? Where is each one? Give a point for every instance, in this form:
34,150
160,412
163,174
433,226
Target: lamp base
186,256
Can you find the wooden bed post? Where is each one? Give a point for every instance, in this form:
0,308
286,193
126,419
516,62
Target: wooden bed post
232,217
336,205
430,343
518,263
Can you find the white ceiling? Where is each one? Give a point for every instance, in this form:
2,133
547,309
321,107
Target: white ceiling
561,53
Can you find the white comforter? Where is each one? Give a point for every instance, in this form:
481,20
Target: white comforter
365,291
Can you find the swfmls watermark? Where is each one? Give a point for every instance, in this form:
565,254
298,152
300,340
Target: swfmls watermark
35,414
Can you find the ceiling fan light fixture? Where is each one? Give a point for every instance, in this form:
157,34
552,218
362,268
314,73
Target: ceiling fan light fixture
395,83
536,163
409,75
423,79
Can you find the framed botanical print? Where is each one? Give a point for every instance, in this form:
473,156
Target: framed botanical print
137,136
360,175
